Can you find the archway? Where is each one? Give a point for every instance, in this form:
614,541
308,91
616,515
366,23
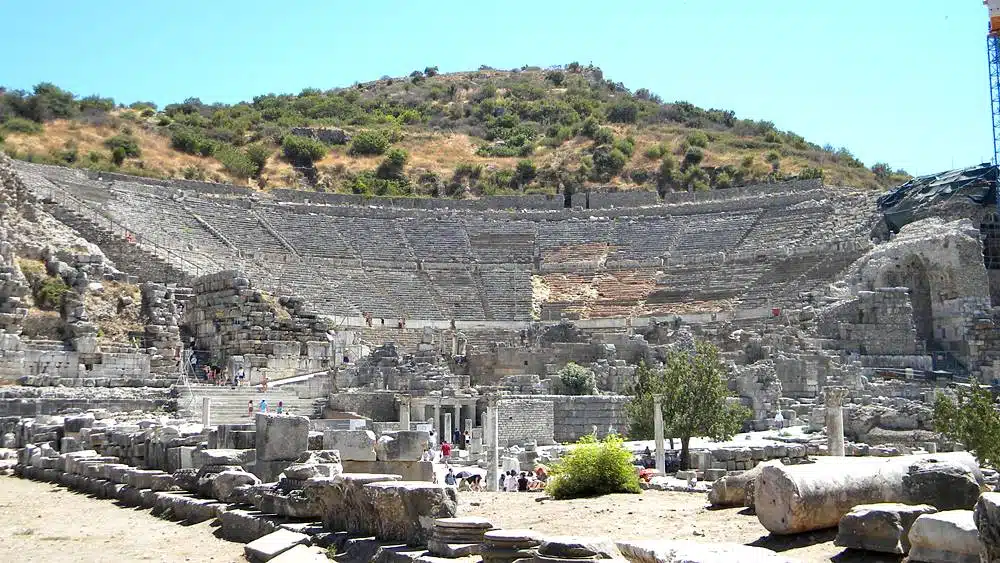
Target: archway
989,231
912,273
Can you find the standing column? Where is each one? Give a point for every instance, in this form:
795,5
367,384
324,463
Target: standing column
447,428
206,411
437,422
492,451
404,413
661,462
457,418
834,401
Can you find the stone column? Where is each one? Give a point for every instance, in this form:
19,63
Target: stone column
492,449
834,399
206,411
437,422
404,413
456,417
447,433
661,462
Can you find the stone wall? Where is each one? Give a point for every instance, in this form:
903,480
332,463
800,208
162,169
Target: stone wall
572,416
377,406
523,420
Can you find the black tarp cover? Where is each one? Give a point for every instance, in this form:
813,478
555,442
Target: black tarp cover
977,184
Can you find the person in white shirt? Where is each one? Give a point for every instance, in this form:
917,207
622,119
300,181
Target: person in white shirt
779,420
510,483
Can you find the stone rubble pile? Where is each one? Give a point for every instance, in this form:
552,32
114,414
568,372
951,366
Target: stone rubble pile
458,537
507,546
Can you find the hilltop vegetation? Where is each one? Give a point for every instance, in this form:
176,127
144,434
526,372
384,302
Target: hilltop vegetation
528,130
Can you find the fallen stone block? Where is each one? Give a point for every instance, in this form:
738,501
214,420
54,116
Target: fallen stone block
987,519
342,502
353,445
274,544
281,437
682,551
225,483
737,490
944,484
303,554
224,457
405,510
800,498
882,527
141,478
945,537
245,526
570,547
407,445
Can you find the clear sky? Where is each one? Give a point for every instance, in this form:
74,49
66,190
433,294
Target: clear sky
894,81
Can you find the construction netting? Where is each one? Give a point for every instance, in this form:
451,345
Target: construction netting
914,199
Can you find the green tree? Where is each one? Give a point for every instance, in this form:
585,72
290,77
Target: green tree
972,419
577,380
774,159
128,143
593,468
694,395
302,151
118,156
369,142
525,172
391,168
236,162
258,153
693,157
881,170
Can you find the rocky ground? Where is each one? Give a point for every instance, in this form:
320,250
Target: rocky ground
42,522
651,515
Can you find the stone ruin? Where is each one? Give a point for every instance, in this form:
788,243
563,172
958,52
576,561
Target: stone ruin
384,322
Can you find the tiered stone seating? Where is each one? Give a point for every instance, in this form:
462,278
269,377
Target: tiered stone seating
621,294
644,238
501,242
781,228
706,234
376,239
238,225
458,293
508,293
437,239
772,284
311,234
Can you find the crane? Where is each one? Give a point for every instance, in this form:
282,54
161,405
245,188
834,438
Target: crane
993,56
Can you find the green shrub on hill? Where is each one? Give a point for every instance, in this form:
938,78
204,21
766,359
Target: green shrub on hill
369,142
302,151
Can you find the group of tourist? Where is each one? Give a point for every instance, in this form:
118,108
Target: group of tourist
514,482
263,407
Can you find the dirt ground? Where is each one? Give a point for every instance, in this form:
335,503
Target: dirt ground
651,515
42,522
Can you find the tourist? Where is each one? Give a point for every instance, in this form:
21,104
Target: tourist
240,376
263,384
263,405
449,479
456,438
430,437
475,482
446,450
281,407
466,439
427,456
250,408
779,420
510,483
522,483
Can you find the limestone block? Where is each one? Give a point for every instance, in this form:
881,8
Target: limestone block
402,446
274,544
682,551
303,554
800,498
737,490
882,527
569,547
342,501
946,484
987,519
141,478
353,445
224,457
224,484
945,537
406,510
281,437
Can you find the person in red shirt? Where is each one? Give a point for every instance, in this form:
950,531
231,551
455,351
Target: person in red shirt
445,450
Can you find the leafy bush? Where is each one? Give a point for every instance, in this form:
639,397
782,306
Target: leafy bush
236,162
555,77
392,167
774,159
593,468
577,380
21,125
46,291
626,145
623,112
431,71
697,139
608,163
590,127
525,172
369,142
971,418
604,136
118,156
302,151
258,154
881,170
809,173
128,144
655,152
191,141
693,157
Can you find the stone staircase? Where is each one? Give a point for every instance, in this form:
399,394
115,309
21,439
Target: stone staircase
229,406
127,257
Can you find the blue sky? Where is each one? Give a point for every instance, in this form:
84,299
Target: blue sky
900,82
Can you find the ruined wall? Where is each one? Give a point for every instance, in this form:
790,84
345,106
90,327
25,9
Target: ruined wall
573,416
525,420
875,322
379,406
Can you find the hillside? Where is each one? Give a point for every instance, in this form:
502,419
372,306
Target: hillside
464,134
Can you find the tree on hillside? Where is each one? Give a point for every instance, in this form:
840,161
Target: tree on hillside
972,419
694,399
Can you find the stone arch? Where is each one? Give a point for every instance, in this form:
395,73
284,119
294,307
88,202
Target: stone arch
912,273
989,234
